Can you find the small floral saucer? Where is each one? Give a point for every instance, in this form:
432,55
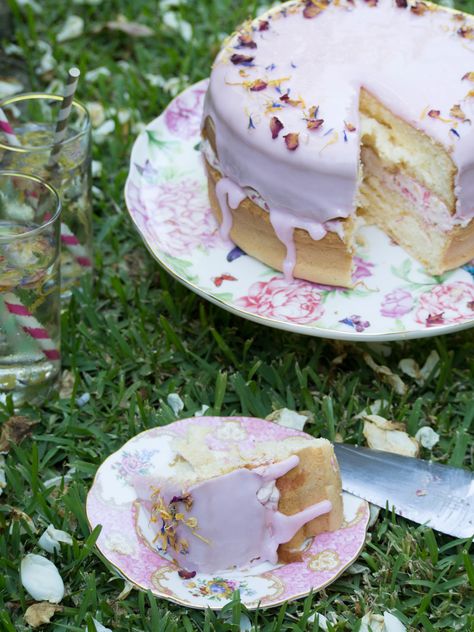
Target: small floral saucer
393,297
125,539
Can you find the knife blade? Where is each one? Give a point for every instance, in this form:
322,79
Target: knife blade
439,496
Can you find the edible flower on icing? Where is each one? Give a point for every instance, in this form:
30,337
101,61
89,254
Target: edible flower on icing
349,127
456,112
314,124
371,3
434,114
285,98
292,141
244,60
455,132
246,41
275,126
469,76
258,85
263,25
466,31
313,8
419,8
401,4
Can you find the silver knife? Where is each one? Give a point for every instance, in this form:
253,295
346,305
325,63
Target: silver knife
439,496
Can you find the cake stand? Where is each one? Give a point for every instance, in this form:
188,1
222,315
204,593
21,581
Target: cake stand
393,298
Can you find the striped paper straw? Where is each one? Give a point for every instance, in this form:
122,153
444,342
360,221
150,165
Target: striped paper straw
7,130
64,113
75,248
31,326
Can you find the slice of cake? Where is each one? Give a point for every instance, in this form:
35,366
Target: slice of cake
210,513
323,114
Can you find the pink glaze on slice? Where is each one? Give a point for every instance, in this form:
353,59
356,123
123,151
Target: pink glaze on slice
234,528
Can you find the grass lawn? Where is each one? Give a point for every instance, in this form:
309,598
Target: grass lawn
136,336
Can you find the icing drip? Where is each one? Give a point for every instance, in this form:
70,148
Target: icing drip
229,194
284,224
227,525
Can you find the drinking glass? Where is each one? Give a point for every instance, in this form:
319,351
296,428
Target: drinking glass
33,118
30,217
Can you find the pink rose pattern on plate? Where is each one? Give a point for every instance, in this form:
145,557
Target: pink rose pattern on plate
121,544
172,213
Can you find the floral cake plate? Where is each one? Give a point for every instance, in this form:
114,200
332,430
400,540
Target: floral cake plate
125,539
393,297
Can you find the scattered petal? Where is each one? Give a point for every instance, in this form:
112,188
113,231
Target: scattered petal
176,23
382,434
101,132
386,375
258,85
409,367
321,619
133,29
96,113
246,41
431,362
419,8
40,613
374,512
427,437
402,4
41,578
314,124
175,403
202,411
126,590
51,538
83,399
72,29
292,141
456,112
47,61
275,126
241,60
289,418
96,168
263,25
392,624
14,430
96,73
434,114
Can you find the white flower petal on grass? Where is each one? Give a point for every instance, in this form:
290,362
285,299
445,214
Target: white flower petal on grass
96,113
392,624
410,367
99,627
101,133
126,590
431,361
245,623
41,578
322,620
47,61
427,437
386,375
83,399
96,168
51,538
382,434
202,411
93,75
3,479
175,23
35,7
372,623
72,29
374,512
175,402
133,29
288,418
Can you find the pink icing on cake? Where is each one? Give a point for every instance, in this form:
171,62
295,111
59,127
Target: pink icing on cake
307,74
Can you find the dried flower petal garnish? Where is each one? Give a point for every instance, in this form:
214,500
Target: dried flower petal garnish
242,60
434,114
314,124
275,126
246,41
292,141
263,25
313,8
401,4
454,132
456,112
285,98
469,76
466,31
419,8
371,3
258,85
349,127
313,111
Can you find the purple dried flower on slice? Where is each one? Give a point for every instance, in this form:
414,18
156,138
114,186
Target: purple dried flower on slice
263,25
314,124
312,8
466,31
371,3
275,126
184,574
239,59
401,4
258,85
434,114
349,127
292,140
419,8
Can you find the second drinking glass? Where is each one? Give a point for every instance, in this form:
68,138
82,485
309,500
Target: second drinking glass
32,120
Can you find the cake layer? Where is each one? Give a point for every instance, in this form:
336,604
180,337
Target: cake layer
214,510
413,216
327,261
